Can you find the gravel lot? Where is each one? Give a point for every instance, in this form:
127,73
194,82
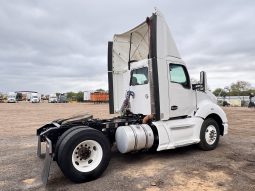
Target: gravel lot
230,167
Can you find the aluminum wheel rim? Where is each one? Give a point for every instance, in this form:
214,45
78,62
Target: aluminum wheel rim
210,134
87,155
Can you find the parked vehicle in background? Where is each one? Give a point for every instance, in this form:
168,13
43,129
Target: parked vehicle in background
11,97
28,96
1,98
19,96
226,103
62,98
87,96
53,98
252,101
35,98
99,97
44,97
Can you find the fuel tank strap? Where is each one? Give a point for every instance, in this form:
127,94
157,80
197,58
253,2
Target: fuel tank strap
146,133
136,141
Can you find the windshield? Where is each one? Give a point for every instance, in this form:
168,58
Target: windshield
139,76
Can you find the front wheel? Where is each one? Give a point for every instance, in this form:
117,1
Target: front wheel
84,154
209,135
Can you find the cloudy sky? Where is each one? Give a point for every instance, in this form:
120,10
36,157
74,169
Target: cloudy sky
61,45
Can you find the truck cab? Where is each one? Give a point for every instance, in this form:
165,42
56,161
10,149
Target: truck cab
62,98
11,97
35,98
146,63
53,98
181,96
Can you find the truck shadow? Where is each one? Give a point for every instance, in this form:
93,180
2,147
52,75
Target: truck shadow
133,167
136,157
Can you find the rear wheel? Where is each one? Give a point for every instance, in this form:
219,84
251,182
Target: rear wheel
209,135
61,138
84,154
87,155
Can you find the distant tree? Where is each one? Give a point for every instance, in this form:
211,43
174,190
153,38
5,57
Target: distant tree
80,96
100,90
220,92
71,96
239,88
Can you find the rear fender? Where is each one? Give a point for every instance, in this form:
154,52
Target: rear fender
47,128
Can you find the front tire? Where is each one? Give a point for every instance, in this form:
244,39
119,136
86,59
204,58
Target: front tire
84,154
209,135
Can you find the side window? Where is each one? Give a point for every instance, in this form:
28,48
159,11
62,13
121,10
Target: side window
179,74
139,76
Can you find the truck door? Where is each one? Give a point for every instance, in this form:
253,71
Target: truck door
139,84
182,97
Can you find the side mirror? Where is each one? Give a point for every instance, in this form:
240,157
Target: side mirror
202,85
203,81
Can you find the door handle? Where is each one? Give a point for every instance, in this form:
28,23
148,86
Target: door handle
174,107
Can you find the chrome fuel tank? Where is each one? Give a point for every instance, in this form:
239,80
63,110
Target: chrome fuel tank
134,138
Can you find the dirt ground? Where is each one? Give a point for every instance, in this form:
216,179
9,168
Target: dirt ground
230,167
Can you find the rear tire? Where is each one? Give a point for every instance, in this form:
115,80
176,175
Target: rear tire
209,135
61,139
84,154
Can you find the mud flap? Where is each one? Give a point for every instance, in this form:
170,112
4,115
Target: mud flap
47,162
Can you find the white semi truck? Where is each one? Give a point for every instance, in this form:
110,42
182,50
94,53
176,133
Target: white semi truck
149,85
35,98
53,98
11,97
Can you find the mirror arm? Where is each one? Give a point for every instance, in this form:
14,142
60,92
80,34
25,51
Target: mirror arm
197,86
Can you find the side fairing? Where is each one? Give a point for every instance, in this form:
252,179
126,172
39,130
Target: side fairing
138,38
